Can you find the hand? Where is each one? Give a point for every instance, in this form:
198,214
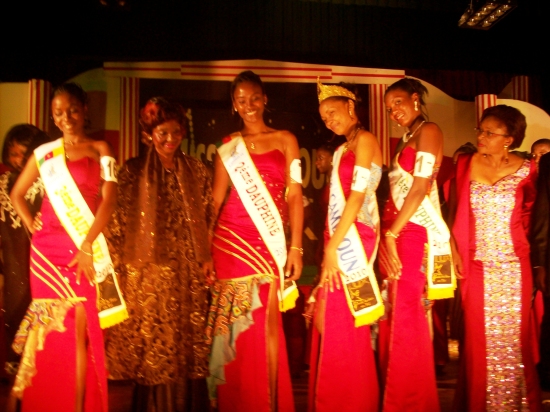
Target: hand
457,262
36,223
293,267
389,258
330,274
84,261
540,279
209,273
311,304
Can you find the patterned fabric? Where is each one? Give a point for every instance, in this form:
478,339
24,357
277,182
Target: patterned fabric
164,287
230,315
231,301
42,317
492,205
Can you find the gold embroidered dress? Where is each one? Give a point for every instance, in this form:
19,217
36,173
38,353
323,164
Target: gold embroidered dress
158,238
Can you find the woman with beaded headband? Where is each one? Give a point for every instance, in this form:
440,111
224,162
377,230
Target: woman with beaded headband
412,225
159,236
62,366
255,265
347,298
490,211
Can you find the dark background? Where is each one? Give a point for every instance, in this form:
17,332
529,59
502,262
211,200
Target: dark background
55,40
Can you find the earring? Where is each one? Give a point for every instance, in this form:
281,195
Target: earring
350,115
416,105
506,154
234,108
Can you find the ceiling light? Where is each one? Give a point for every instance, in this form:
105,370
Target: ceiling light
484,14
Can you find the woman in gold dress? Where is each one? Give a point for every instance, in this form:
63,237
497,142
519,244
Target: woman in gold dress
159,238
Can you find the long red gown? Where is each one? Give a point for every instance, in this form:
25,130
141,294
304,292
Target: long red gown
491,226
343,374
53,388
407,362
238,251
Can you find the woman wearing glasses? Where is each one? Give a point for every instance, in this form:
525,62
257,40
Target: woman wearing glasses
490,207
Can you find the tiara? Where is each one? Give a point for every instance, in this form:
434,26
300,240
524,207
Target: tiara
324,92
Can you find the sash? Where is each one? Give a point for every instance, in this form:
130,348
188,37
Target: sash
77,218
262,209
357,274
439,267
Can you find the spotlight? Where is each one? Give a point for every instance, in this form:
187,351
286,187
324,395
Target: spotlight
484,14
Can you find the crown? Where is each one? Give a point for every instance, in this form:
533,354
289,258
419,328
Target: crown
324,92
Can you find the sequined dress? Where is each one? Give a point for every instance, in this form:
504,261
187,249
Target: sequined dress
342,360
237,317
497,370
162,343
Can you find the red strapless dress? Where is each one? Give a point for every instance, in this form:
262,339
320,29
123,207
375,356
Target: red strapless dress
406,357
343,374
53,388
236,314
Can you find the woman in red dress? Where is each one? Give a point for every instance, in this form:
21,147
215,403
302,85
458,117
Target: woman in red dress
63,367
491,210
407,362
343,372
249,365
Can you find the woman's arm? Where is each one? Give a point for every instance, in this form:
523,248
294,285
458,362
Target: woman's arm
293,269
430,140
220,185
84,258
27,177
367,146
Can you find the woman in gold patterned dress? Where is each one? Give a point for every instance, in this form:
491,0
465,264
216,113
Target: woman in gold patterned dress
491,208
160,247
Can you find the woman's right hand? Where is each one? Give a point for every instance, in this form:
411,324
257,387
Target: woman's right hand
36,223
390,259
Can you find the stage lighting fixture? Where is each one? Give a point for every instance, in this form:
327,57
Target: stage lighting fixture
484,14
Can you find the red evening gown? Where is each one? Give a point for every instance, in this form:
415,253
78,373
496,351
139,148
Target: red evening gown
497,365
408,362
343,374
240,308
53,388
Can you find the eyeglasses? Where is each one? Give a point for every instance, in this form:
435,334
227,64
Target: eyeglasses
487,133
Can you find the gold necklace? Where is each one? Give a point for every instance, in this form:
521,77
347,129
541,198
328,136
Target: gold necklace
352,139
409,136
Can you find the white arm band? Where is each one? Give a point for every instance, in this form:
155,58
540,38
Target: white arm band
361,177
108,169
296,171
424,164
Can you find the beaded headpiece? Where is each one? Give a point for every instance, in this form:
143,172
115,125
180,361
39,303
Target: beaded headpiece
324,92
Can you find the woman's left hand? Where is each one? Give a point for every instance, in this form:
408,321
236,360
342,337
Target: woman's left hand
293,267
390,258
84,262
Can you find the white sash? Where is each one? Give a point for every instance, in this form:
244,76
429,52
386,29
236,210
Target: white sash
262,210
356,272
77,218
439,266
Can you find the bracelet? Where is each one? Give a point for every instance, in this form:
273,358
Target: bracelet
86,253
299,249
389,233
